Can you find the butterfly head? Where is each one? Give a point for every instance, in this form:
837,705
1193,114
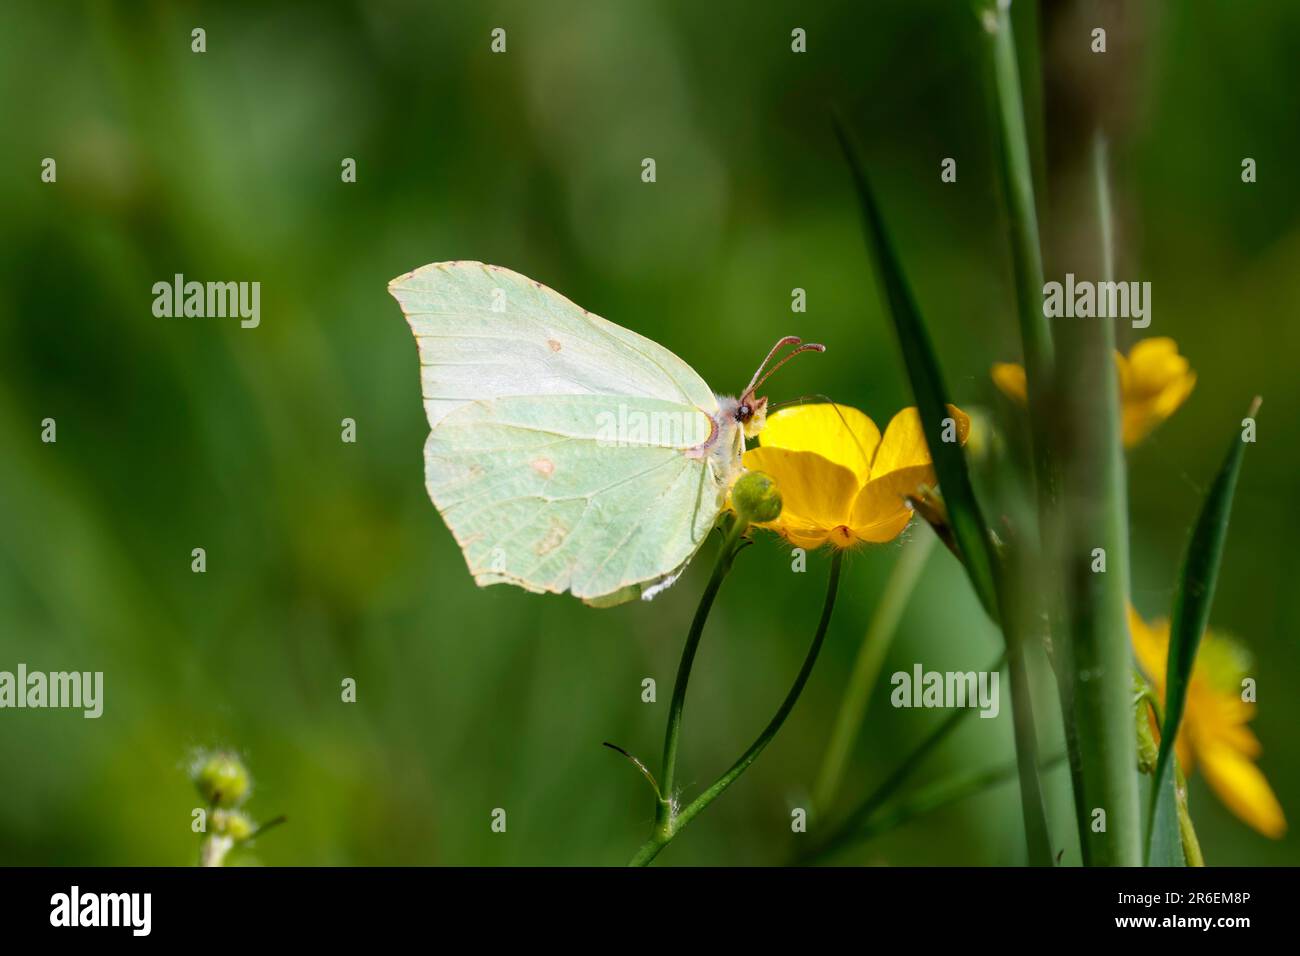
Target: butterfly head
750,410
751,415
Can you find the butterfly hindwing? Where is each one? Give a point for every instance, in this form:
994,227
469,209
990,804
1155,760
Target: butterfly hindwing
592,494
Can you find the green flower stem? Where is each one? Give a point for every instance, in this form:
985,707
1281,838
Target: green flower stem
664,834
787,705
667,800
1096,662
847,831
213,850
1017,176
866,669
1018,185
1037,836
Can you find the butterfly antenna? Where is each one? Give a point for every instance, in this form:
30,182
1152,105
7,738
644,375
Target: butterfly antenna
782,343
806,347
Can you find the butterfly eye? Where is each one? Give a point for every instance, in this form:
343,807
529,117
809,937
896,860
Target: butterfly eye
743,413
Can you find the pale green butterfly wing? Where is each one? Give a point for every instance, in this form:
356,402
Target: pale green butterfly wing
520,386
556,493
486,332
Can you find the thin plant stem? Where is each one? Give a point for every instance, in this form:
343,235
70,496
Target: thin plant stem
663,836
672,734
866,668
213,850
1018,185
1017,177
1037,837
1017,621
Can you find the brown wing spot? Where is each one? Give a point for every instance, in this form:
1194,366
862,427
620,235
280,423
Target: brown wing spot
543,466
553,344
554,538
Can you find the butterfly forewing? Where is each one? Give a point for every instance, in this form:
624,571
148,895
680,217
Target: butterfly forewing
487,332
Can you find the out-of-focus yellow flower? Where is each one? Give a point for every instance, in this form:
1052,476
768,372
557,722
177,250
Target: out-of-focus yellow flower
1213,733
1153,381
841,481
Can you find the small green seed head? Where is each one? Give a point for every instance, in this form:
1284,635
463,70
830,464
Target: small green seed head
235,824
222,780
756,498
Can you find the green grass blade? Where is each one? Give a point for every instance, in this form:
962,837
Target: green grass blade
1191,614
1165,846
969,527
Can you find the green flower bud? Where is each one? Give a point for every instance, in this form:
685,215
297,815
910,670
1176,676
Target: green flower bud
222,780
756,498
235,824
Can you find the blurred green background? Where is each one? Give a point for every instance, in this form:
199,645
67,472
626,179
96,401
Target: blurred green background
326,560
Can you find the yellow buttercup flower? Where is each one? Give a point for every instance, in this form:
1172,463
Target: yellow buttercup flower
1213,733
1153,381
842,482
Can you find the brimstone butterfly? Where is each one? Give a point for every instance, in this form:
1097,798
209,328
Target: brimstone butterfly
567,453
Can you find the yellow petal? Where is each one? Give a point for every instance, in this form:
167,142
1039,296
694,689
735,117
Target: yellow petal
805,538
838,433
880,513
1226,725
904,447
1010,380
815,493
1150,646
1175,394
1154,364
1244,790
